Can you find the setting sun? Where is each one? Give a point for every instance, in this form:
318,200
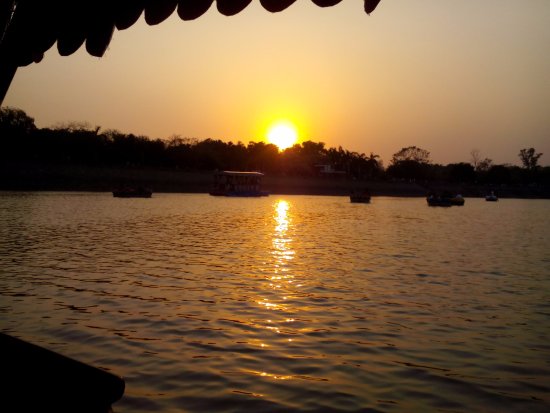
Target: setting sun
282,134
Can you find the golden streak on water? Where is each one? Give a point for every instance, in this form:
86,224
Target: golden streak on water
270,306
281,216
271,376
248,393
282,278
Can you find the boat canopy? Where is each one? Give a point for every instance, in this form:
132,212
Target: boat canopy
239,173
238,183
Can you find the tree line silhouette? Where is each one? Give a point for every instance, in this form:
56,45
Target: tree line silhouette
81,144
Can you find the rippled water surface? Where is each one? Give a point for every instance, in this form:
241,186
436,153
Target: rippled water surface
294,303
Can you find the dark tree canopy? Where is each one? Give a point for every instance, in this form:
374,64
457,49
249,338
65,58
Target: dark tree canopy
461,172
80,146
14,120
411,153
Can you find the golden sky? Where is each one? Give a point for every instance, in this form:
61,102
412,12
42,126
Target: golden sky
448,76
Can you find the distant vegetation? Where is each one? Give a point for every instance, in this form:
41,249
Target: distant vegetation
79,144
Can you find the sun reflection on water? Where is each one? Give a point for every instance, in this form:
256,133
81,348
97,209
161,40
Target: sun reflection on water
280,286
282,251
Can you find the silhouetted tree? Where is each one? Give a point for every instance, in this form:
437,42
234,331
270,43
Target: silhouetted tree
460,172
410,163
179,152
262,157
78,143
409,170
294,162
75,126
529,158
498,175
237,155
210,154
484,165
337,158
15,121
373,166
411,153
475,155
312,154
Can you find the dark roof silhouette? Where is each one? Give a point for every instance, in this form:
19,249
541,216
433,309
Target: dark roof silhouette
28,28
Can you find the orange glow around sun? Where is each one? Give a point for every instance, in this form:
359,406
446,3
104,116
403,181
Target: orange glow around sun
283,134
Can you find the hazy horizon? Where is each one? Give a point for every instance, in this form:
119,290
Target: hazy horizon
449,77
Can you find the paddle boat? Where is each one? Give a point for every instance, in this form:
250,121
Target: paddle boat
436,200
444,199
457,200
358,196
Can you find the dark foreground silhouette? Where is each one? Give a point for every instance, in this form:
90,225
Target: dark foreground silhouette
36,379
30,28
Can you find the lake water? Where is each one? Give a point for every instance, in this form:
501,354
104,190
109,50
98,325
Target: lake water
287,303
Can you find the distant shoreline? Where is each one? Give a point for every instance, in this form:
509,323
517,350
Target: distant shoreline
54,177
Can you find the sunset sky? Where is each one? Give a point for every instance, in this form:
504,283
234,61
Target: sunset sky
445,75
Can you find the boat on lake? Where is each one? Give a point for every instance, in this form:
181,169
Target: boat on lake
358,196
132,192
457,200
436,200
445,199
491,197
238,184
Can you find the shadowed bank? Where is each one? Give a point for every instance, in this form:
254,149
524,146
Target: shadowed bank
36,378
